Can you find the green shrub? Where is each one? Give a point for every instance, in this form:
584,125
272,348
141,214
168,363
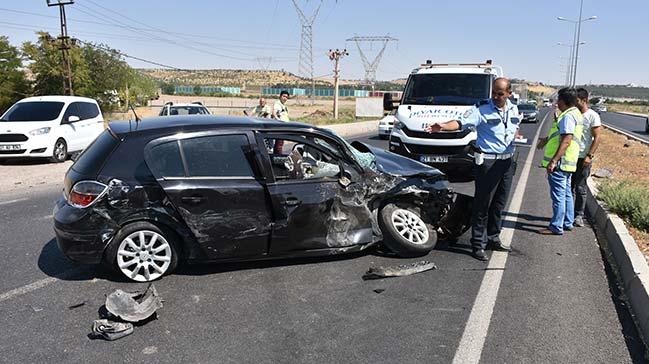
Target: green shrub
628,199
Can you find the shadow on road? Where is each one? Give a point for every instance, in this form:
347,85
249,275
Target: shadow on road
53,263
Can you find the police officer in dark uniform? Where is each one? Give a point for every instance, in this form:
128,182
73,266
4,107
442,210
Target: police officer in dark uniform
496,122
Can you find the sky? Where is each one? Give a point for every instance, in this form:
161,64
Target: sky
521,36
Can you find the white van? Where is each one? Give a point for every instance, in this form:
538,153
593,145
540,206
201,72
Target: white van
437,93
49,126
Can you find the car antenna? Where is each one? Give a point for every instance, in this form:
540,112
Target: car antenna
137,118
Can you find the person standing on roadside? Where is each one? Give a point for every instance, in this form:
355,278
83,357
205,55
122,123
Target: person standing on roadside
496,122
280,112
560,155
591,137
260,111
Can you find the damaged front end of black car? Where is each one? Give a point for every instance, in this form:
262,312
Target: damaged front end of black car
146,196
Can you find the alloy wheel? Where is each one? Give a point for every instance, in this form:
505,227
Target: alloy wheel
144,256
410,226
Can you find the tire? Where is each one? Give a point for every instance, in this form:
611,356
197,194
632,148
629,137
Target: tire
405,232
131,255
60,152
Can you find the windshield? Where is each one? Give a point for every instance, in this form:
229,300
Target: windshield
187,110
33,111
526,107
447,89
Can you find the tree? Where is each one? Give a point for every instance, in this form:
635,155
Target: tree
13,83
48,69
168,88
197,90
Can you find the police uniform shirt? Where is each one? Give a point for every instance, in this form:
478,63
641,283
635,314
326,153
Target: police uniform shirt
496,128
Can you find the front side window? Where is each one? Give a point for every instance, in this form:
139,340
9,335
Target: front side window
217,156
447,89
74,109
33,111
298,159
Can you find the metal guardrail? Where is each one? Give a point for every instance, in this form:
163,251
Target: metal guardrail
626,134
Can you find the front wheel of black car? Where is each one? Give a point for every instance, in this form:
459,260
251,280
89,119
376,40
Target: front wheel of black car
142,252
405,232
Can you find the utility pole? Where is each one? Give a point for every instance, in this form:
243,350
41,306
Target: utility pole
335,56
370,67
305,67
65,43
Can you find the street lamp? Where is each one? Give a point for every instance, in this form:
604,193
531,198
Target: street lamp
569,66
575,42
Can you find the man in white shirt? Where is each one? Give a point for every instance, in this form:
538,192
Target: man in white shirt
589,142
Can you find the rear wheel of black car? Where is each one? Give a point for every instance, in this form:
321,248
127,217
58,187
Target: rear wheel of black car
405,232
142,252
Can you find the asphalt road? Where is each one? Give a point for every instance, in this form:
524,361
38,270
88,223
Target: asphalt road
629,123
555,302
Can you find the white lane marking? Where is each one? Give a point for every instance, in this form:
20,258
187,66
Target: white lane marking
12,201
37,285
475,332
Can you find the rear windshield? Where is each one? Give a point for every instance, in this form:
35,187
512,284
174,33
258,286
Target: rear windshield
526,107
92,159
447,89
33,111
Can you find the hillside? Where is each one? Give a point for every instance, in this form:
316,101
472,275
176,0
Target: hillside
230,77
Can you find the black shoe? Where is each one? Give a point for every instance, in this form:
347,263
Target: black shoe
479,254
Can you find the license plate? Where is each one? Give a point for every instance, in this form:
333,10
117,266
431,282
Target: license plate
434,159
10,147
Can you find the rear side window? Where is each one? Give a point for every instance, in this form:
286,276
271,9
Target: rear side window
92,159
166,160
33,111
217,156
88,110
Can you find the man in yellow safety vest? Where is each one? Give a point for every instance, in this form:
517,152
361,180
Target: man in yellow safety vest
560,155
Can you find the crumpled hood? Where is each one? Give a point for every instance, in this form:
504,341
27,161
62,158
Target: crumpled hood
395,164
415,117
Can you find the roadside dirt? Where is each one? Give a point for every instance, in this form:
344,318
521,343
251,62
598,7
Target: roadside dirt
628,159
23,177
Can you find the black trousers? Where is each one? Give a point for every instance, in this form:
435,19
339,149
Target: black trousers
493,181
579,188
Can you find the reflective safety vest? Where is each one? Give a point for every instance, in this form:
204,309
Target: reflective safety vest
568,162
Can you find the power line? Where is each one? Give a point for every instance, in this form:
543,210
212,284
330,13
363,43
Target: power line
127,55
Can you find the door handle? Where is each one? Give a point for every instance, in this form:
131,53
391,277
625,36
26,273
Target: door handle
292,201
192,200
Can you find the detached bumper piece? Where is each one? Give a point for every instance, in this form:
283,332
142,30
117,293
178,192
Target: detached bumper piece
399,271
110,330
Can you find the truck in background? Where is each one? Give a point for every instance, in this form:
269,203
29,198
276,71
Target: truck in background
437,93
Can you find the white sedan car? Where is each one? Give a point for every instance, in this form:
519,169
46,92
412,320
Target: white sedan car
386,124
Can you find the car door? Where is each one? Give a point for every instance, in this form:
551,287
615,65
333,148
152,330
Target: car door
91,123
209,179
71,130
313,208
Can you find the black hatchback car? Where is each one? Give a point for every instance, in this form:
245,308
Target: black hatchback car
146,195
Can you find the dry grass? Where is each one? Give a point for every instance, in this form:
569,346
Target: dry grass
629,163
621,107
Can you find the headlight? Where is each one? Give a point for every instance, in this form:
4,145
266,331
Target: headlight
533,114
397,124
40,131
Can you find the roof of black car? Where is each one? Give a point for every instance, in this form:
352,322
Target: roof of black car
197,122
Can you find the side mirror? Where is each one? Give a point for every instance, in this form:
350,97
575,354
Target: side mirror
73,118
388,102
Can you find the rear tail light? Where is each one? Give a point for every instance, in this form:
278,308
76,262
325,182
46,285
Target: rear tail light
85,193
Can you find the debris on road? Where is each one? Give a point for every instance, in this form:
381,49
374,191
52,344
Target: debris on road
399,271
110,330
77,305
133,306
379,290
